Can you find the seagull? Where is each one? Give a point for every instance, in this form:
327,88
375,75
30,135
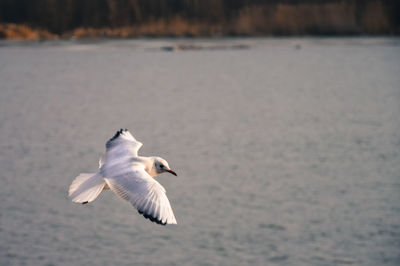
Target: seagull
130,176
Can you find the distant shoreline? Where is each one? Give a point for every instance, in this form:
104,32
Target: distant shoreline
23,32
281,19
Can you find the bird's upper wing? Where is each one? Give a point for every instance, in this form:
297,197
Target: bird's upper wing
123,144
135,185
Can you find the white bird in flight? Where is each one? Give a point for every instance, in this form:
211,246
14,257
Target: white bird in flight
129,176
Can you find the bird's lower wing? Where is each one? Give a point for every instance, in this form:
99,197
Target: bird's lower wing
144,193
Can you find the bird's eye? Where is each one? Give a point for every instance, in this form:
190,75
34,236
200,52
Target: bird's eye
161,166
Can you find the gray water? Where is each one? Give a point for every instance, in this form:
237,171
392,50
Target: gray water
287,150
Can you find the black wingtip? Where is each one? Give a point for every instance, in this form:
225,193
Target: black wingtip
85,202
153,219
117,134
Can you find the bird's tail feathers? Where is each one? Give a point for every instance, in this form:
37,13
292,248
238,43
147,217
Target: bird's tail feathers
86,187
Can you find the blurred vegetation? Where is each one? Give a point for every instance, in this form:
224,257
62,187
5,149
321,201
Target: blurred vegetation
131,18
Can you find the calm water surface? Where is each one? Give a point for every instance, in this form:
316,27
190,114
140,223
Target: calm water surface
287,150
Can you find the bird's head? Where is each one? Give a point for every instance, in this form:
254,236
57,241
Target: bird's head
161,166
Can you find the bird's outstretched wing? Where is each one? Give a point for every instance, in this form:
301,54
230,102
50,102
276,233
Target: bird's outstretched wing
144,193
123,144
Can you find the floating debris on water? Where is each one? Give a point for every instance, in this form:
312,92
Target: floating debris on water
194,47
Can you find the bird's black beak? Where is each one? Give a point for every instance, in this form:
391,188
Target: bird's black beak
172,172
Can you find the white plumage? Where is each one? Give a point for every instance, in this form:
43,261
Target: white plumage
129,176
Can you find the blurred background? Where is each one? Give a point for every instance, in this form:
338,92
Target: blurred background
281,118
35,19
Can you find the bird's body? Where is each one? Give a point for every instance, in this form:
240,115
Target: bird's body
129,176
